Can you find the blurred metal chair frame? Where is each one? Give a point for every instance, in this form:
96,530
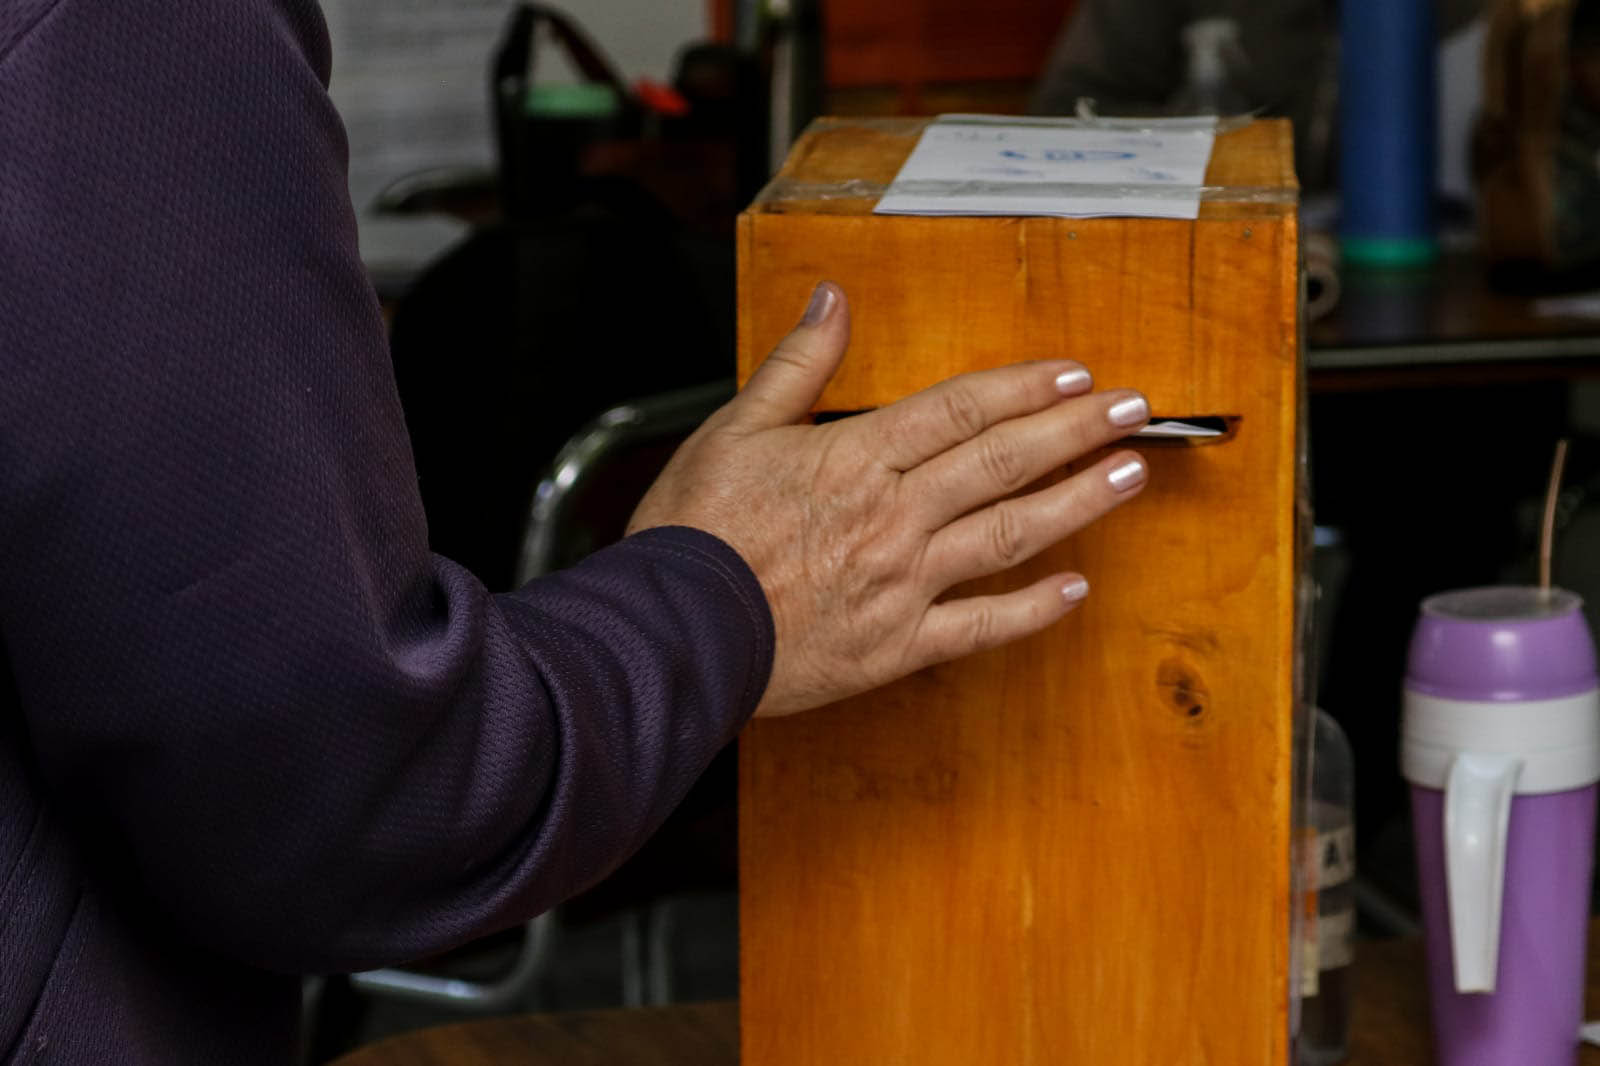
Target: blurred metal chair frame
665,417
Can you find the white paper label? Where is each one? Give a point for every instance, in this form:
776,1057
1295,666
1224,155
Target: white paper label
1336,939
966,165
1335,860
1308,960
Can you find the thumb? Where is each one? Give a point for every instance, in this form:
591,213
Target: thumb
784,388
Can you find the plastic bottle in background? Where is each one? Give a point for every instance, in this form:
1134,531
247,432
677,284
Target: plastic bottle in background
1330,938
1387,117
1211,46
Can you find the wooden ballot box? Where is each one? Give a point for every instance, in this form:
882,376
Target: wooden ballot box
1075,849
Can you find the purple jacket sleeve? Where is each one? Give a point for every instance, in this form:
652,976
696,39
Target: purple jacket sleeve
243,674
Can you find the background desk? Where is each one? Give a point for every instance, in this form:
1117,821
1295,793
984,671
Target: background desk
1390,1011
1393,325
697,1034
1391,1004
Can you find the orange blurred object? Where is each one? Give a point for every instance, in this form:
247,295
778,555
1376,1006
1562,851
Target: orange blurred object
660,99
917,47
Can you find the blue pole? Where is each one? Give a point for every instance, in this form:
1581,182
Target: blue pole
1387,104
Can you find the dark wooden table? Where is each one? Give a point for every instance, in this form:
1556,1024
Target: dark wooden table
696,1034
1390,1027
1447,313
1390,1021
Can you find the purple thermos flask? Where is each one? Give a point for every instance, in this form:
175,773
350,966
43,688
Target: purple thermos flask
1501,744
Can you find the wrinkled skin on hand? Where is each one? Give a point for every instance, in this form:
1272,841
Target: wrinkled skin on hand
856,529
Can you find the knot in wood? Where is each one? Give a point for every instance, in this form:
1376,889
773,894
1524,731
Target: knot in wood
1181,688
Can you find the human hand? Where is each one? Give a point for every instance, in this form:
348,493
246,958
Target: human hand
857,528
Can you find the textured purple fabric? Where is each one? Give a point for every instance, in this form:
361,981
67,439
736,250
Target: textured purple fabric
249,726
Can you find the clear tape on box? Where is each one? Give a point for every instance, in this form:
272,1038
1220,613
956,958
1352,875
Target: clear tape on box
912,127
783,189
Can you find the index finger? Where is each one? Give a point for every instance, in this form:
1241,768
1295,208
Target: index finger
930,422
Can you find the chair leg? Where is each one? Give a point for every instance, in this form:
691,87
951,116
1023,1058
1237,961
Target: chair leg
633,961
663,919
515,989
332,1018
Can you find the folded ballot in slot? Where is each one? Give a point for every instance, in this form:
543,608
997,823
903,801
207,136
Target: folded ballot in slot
1075,849
1190,429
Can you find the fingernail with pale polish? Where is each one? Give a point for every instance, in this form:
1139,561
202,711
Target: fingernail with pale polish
1075,590
1072,382
1127,476
823,297
1129,412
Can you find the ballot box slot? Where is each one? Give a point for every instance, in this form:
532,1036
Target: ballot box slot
1185,431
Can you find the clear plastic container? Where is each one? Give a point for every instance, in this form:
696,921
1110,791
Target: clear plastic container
1211,51
1329,939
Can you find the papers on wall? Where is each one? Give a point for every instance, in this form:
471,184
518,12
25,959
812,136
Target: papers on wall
986,165
411,77
411,82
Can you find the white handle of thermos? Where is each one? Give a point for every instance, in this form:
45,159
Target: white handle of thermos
1477,809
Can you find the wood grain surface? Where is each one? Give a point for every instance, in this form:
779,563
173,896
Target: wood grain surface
1074,849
